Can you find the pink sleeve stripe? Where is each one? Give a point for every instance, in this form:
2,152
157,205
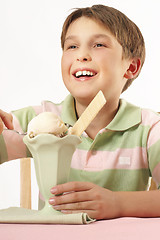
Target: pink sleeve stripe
50,107
154,135
38,109
152,120
149,118
135,158
156,175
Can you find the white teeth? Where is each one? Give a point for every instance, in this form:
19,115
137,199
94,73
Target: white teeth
78,73
84,73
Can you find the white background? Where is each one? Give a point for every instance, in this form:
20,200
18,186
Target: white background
30,56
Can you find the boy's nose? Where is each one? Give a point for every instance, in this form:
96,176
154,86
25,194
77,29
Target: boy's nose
84,58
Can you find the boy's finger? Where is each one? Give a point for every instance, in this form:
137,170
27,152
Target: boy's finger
78,198
6,118
71,186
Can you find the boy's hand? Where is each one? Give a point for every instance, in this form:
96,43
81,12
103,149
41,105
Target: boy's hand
97,202
5,119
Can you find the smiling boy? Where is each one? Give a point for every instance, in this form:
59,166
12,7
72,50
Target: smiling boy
120,150
89,46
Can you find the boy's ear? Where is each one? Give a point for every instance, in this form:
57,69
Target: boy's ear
133,69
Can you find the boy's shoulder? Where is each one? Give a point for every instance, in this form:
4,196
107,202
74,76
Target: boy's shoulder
148,116
48,106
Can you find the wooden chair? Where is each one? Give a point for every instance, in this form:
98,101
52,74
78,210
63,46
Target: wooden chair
25,183
153,185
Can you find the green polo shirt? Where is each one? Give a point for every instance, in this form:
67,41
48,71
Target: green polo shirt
122,156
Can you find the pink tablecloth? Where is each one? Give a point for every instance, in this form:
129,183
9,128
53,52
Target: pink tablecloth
117,229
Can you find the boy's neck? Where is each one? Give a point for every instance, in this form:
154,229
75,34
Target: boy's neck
103,118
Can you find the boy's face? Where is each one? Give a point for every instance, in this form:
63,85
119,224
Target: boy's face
92,61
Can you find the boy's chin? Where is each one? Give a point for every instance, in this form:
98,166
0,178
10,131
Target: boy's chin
84,97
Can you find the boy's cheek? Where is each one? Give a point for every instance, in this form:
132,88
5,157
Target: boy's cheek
66,62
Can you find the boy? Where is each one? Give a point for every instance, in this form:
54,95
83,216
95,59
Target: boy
120,150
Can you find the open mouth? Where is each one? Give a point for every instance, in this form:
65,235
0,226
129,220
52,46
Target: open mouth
85,73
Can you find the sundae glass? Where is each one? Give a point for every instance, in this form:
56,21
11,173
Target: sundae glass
52,159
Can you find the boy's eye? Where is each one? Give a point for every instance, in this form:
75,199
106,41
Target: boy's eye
99,45
72,47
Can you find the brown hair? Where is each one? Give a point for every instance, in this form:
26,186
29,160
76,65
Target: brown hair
125,31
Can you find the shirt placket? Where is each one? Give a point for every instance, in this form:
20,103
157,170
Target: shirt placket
94,158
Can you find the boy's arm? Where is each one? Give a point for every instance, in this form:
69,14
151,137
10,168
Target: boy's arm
101,203
11,143
139,204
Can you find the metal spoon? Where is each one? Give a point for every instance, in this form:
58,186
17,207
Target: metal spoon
13,130
25,133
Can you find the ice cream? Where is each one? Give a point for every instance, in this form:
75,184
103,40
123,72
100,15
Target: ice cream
46,122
